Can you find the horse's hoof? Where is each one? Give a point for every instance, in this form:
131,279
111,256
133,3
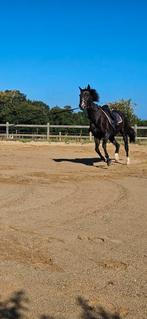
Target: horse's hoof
128,161
109,162
116,157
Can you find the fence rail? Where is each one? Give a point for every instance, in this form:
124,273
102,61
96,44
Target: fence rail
58,132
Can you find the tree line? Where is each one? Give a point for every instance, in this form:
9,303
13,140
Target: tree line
16,108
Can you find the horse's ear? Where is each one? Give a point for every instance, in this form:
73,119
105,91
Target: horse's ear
88,87
80,88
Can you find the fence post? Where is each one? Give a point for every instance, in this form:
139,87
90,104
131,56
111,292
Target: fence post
135,129
60,139
48,131
90,136
7,130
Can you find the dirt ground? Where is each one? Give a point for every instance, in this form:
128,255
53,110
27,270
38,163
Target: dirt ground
73,232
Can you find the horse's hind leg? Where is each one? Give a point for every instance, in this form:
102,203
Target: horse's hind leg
104,145
125,138
117,147
97,143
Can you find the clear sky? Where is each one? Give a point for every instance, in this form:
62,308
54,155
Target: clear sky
50,47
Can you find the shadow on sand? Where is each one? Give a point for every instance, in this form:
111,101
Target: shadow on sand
87,161
16,307
84,161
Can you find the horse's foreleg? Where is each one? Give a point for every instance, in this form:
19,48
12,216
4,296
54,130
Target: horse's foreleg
104,145
97,143
126,144
117,146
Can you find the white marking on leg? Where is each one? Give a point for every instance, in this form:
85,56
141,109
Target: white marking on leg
128,160
116,157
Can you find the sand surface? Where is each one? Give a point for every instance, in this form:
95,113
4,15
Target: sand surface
73,232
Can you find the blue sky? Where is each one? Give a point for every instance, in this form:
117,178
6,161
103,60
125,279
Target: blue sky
50,47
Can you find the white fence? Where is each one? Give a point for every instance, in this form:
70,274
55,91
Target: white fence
59,132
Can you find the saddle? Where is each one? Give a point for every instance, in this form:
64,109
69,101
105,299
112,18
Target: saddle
113,116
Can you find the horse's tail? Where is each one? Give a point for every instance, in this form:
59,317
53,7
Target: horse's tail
131,133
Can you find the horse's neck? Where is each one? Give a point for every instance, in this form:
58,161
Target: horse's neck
93,113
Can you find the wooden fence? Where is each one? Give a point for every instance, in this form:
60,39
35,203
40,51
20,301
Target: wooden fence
55,132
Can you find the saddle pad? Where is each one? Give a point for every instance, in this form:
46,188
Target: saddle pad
117,117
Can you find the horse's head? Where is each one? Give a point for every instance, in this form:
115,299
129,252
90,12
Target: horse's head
87,96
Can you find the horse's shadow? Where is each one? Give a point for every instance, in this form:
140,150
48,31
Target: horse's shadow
84,161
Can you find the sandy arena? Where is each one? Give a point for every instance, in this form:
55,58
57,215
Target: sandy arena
73,232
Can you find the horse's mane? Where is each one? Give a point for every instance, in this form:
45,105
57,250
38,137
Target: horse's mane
95,96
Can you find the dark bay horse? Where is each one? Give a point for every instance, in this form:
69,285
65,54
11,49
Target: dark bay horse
105,124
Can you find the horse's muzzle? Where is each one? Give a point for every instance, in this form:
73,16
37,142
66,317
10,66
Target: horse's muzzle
82,105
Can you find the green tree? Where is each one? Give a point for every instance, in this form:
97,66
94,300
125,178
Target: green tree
9,99
15,108
81,118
